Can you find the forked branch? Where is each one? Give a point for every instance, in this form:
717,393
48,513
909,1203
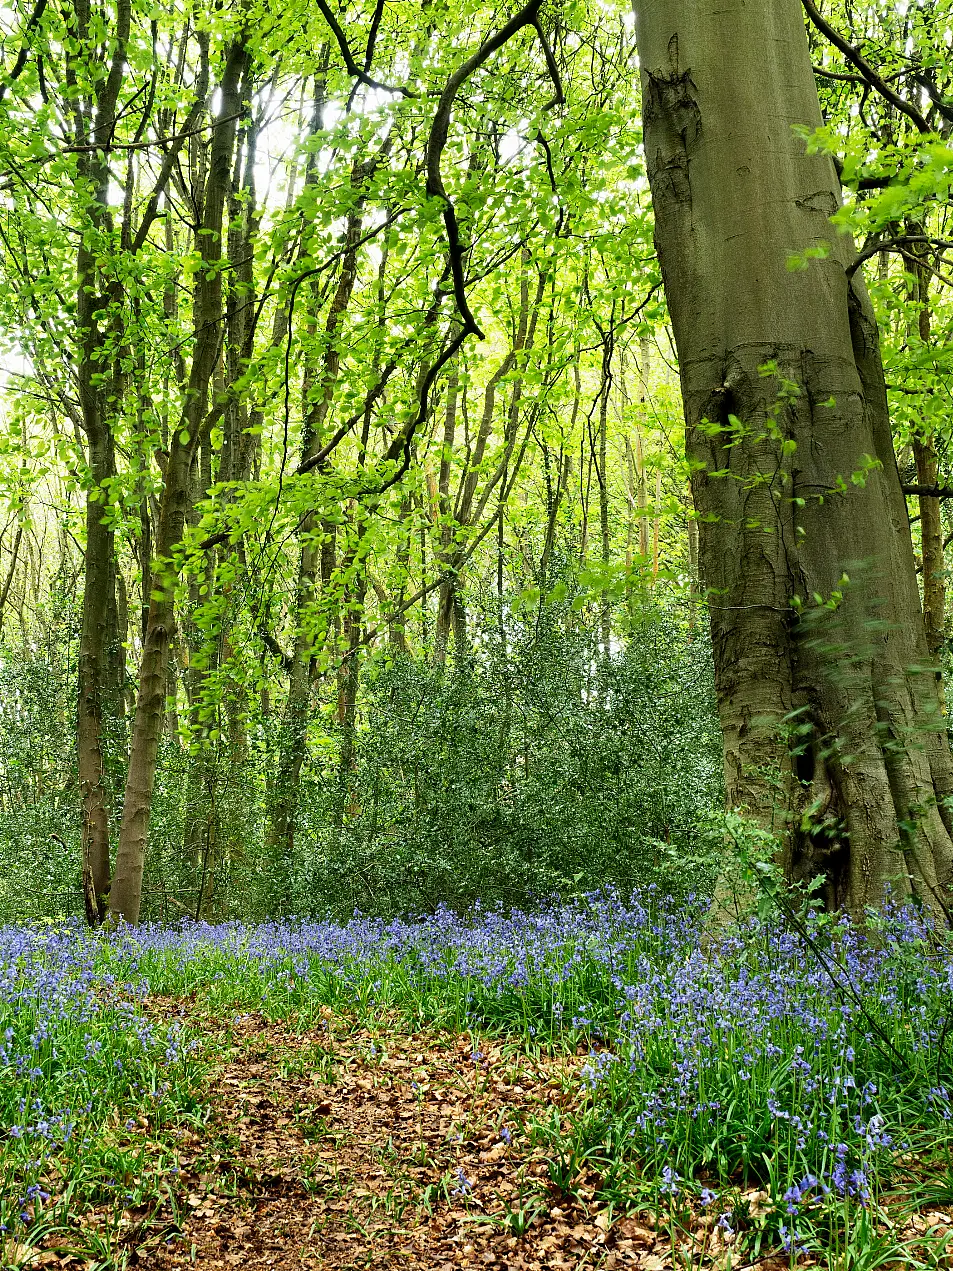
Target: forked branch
352,66
857,60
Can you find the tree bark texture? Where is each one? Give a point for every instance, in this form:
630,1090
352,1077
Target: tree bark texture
931,526
829,711
91,682
99,580
931,542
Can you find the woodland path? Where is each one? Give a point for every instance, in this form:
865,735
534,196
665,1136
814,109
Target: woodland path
341,1147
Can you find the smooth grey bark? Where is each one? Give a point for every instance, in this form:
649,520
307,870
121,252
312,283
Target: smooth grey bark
832,733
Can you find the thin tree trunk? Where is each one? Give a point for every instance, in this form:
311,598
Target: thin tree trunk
931,528
447,595
694,589
655,525
832,736
98,115
11,571
316,552
603,474
91,674
126,894
931,540
348,683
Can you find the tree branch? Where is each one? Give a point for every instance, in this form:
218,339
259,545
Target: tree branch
349,62
436,142
889,244
317,460
850,79
273,647
145,145
857,60
924,80
551,66
929,491
400,446
24,53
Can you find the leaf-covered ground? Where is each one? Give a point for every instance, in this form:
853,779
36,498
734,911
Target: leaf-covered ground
346,1147
590,1085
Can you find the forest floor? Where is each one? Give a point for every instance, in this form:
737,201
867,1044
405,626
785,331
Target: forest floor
585,1086
346,1147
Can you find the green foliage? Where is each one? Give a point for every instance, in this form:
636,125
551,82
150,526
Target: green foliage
38,847
534,766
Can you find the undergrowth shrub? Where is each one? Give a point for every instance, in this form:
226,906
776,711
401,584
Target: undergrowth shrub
534,763
532,766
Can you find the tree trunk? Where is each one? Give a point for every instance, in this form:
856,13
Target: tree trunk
316,551
832,734
91,683
448,595
126,894
931,541
931,527
92,288
602,472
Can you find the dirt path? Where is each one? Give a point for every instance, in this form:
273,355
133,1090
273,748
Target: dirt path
343,1148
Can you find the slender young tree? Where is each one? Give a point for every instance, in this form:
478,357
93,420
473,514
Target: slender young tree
832,732
197,419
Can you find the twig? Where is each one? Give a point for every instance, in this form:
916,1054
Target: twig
891,244
850,79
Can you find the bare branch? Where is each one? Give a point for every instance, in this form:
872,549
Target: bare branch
893,244
349,62
857,60
318,460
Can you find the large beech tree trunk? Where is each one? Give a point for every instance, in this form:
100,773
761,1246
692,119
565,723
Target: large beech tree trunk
794,476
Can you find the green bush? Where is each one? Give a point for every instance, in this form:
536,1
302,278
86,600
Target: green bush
535,768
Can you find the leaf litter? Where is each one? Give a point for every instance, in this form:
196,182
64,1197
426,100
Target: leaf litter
346,1146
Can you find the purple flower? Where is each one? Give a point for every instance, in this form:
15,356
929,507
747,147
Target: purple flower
464,1187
